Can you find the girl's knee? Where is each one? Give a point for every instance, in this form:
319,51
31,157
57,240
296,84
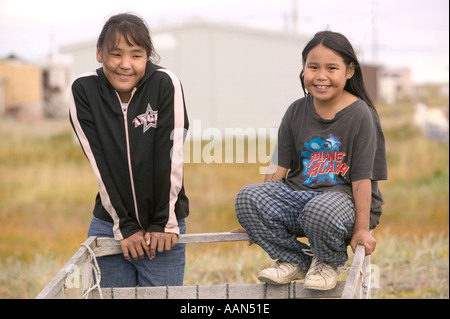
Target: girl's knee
249,195
245,201
312,221
325,213
243,197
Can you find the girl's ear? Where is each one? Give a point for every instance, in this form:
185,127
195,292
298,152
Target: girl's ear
350,70
99,55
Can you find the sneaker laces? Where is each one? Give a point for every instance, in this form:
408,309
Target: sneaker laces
318,265
277,265
308,252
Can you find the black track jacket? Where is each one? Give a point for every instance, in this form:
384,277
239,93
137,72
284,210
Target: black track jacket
137,153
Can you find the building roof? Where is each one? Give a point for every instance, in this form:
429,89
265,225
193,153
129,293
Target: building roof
197,23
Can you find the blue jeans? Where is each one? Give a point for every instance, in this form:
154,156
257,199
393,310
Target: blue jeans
166,269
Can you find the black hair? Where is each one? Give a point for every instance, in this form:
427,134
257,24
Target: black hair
133,29
341,46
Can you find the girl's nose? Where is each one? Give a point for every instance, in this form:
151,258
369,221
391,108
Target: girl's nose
321,75
125,62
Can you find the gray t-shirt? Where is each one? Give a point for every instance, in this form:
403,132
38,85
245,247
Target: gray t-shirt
327,155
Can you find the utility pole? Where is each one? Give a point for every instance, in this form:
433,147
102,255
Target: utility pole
374,24
294,16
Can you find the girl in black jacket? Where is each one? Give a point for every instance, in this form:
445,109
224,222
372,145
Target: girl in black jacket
131,120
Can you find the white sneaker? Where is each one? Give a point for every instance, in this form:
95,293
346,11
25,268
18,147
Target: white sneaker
282,273
320,276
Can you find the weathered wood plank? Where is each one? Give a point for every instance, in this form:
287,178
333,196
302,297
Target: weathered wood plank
56,287
211,237
354,275
245,291
366,280
108,246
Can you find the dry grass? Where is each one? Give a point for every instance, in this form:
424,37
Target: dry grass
47,191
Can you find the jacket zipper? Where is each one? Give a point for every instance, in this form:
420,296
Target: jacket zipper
125,116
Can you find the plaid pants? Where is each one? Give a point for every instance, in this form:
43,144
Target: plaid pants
274,215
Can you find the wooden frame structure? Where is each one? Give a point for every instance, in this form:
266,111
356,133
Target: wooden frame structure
78,274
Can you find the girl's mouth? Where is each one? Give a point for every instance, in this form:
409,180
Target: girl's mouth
124,77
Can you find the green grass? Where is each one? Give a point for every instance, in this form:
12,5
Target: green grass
47,192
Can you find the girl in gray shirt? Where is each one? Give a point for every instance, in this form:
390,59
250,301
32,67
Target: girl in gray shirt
323,180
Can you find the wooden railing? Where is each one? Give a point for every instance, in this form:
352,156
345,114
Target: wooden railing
78,274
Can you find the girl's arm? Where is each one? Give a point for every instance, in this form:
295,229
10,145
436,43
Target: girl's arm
162,234
362,195
275,173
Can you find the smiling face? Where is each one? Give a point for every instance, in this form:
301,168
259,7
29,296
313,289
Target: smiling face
325,75
124,66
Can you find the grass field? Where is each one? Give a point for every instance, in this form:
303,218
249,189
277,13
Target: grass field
47,191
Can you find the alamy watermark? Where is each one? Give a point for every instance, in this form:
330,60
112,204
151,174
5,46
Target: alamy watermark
73,279
231,145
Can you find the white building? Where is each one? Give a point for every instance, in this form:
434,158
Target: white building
395,85
233,77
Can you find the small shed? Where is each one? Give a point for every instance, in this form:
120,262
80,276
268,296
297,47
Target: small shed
20,90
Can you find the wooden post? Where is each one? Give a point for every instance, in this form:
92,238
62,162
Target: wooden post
353,281
56,289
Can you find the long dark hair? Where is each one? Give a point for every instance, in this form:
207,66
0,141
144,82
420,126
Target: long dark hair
341,46
133,29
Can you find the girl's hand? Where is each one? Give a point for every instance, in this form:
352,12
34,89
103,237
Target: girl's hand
160,242
241,230
364,238
135,246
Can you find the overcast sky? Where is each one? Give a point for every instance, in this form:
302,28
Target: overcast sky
397,33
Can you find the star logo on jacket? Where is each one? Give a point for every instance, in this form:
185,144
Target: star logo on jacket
148,119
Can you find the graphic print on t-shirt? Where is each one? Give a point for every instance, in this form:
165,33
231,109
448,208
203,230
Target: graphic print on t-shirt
323,162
